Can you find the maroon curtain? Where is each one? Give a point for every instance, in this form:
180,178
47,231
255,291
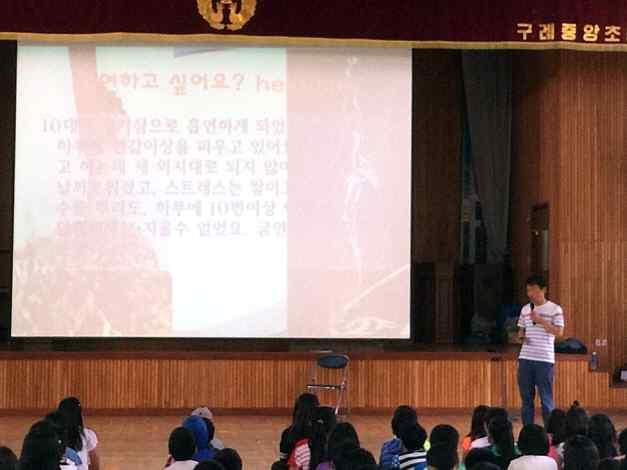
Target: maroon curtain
599,22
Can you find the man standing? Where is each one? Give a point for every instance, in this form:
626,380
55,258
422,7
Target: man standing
540,322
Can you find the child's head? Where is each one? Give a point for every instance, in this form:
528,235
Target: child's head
42,447
580,453
181,444
354,458
444,440
533,440
556,426
444,434
476,456
413,436
342,439
502,436
229,458
576,421
442,456
403,415
325,416
495,411
478,422
603,433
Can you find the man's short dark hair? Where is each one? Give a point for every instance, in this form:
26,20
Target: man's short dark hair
404,414
480,455
533,440
229,458
181,444
536,280
413,436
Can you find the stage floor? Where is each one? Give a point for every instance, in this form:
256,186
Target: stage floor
131,443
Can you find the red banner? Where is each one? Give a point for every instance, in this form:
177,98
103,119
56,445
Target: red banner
599,24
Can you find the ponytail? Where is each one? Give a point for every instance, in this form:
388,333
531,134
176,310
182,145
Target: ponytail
502,436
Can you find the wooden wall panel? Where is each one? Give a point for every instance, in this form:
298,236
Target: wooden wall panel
570,150
161,384
535,145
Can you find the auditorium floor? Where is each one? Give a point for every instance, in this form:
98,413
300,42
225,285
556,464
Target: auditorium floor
133,443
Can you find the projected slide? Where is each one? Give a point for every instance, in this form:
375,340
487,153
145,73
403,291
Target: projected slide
212,191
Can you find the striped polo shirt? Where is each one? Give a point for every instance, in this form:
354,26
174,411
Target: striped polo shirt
540,345
413,460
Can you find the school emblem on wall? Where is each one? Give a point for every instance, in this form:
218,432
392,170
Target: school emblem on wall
227,14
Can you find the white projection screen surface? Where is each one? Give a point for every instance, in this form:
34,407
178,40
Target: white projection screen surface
211,191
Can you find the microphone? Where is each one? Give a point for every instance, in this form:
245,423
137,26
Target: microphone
531,306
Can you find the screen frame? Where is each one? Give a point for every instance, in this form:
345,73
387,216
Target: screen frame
220,343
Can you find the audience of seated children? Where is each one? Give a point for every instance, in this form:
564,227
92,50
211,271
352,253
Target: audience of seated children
533,443
316,441
79,437
182,448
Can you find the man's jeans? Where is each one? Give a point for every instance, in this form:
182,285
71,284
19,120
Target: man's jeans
532,374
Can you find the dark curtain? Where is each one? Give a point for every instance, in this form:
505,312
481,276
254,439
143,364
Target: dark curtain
488,92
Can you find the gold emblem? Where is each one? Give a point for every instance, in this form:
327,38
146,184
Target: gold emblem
227,14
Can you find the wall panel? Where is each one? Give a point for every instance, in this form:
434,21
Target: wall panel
570,150
133,384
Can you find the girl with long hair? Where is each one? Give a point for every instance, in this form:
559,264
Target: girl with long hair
80,438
